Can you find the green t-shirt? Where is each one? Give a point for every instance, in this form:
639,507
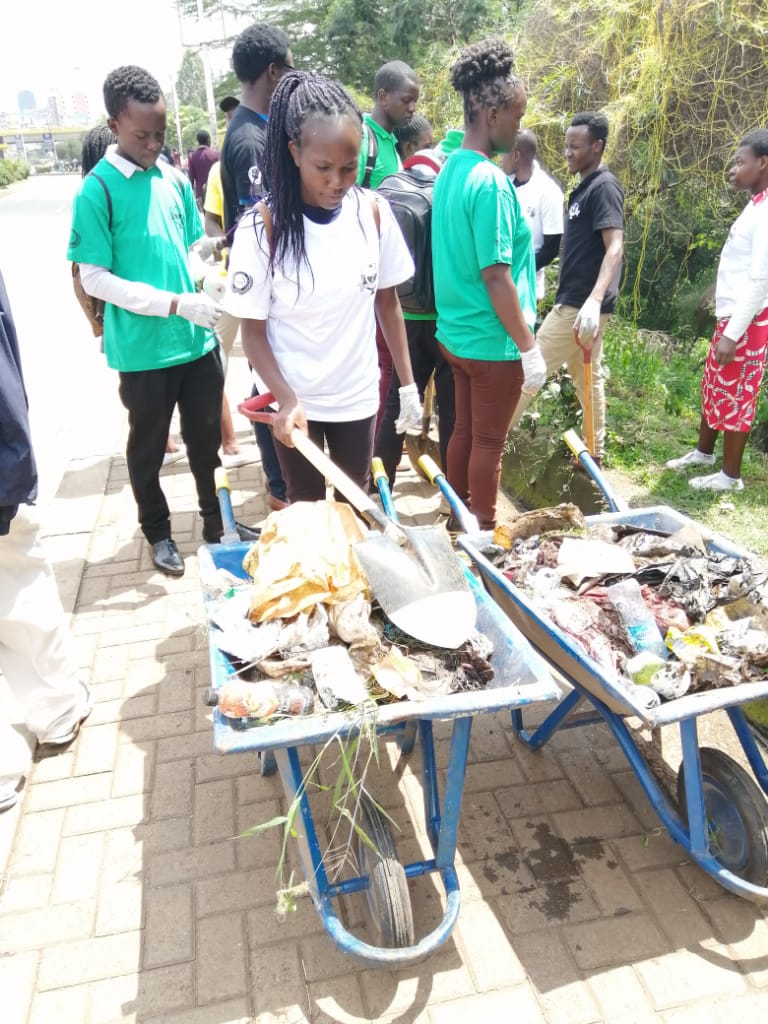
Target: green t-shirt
154,222
476,223
387,158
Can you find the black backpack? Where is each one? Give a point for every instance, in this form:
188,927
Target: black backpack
409,193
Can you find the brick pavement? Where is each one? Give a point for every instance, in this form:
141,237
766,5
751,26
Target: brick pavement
126,898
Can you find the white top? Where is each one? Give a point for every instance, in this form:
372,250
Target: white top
541,200
323,336
742,274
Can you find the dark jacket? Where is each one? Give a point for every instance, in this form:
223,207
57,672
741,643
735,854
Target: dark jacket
18,472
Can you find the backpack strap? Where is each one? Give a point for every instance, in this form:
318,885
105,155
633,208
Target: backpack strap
92,174
373,152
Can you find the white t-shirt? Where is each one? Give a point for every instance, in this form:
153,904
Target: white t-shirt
541,200
323,335
742,274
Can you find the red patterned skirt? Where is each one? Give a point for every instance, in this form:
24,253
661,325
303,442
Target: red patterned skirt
729,393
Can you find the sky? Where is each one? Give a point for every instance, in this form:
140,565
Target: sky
70,47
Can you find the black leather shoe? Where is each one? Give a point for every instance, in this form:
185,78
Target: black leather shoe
166,558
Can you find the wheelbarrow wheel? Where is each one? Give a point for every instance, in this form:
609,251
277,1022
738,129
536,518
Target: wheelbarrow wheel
387,896
737,815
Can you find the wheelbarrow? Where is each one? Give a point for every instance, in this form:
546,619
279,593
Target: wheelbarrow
719,815
520,678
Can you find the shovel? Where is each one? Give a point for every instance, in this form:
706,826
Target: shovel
589,412
413,571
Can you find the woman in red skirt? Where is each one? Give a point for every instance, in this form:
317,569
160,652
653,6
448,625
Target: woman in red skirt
736,359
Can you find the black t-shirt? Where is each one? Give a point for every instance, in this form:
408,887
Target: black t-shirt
240,159
595,204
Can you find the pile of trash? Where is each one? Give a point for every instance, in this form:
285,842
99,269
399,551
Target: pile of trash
653,609
301,634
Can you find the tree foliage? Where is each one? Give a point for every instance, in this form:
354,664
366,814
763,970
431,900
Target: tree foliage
190,84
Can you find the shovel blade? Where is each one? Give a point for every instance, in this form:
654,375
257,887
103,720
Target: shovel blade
420,585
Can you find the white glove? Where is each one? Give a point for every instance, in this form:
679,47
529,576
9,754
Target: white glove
587,323
534,370
411,412
198,308
206,246
215,285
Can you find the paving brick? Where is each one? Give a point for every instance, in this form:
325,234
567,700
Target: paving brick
78,868
17,982
546,906
214,811
37,843
221,957
590,780
492,739
511,1004
120,907
155,726
340,1003
278,989
172,791
36,929
24,892
169,935
321,959
251,789
134,768
165,989
124,710
52,769
388,993
560,989
96,749
543,798
679,915
104,815
226,766
265,926
176,748
607,821
236,890
750,1007
90,960
547,855
685,975
234,1011
175,691
634,794
67,792
744,929
110,663
263,849
479,932
610,886
186,864
483,830
536,765
62,1004
113,999
648,850
621,997
609,942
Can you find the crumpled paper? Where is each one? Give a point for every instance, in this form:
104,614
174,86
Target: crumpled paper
305,556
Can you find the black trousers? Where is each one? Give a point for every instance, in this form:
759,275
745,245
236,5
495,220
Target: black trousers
150,397
426,357
350,446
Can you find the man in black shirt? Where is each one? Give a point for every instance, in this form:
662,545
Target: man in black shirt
260,57
590,267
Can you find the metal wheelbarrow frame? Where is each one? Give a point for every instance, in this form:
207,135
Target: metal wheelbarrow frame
721,819
521,678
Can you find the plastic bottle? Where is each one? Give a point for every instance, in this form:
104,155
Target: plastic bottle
261,700
637,618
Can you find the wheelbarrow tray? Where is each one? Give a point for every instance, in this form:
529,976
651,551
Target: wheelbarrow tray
520,677
569,658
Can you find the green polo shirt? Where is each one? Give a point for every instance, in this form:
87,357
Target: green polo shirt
387,158
154,222
476,223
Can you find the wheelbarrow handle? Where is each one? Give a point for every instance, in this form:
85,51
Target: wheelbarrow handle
435,475
381,480
581,452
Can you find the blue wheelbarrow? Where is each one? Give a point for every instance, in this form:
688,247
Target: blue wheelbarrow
720,815
520,678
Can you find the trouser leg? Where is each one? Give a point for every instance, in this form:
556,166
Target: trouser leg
270,463
460,444
350,446
149,396
36,654
555,340
199,399
386,369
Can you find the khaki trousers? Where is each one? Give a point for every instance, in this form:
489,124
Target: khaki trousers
558,346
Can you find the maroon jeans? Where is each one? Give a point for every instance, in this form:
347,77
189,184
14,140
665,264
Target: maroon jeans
486,395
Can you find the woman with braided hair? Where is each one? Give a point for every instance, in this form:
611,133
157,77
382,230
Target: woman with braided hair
311,269
485,276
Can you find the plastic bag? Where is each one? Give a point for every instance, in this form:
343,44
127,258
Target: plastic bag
305,556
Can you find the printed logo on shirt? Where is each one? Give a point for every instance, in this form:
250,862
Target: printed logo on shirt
241,282
74,239
574,210
255,179
369,277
